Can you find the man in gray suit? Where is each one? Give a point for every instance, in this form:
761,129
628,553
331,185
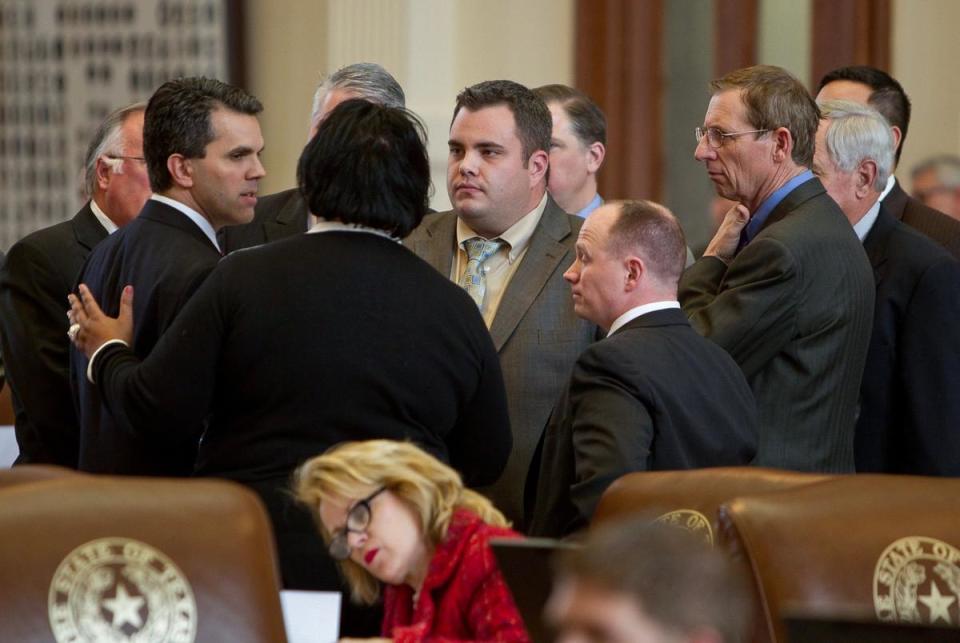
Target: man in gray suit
785,285
507,243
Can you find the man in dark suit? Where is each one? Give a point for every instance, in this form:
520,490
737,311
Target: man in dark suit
202,143
871,86
339,334
283,214
40,272
653,395
909,407
784,286
506,242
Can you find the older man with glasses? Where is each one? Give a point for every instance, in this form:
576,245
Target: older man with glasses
784,286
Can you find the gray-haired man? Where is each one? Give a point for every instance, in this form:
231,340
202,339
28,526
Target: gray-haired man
285,213
909,410
39,273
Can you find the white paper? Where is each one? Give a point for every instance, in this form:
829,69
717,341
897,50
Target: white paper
311,617
8,446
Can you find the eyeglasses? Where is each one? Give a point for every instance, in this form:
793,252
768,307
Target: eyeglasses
126,158
716,137
358,519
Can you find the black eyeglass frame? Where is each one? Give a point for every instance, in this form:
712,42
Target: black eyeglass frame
357,522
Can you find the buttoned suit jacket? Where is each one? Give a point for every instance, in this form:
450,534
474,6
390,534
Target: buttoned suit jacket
537,335
940,227
653,396
276,216
794,309
909,410
165,257
36,278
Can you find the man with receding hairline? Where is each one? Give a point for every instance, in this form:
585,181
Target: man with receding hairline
654,394
39,274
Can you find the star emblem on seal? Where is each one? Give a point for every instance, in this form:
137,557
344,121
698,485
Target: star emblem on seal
917,580
120,590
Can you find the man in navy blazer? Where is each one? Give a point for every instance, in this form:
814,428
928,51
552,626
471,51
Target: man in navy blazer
202,143
653,395
909,407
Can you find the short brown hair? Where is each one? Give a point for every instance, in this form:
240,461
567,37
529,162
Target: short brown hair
534,125
677,580
586,117
775,98
650,230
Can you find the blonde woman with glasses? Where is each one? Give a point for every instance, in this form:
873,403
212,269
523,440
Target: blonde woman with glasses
395,516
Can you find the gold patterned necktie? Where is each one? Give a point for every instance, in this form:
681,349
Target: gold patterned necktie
474,279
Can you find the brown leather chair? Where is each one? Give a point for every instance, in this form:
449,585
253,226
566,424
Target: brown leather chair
690,498
84,558
864,547
28,473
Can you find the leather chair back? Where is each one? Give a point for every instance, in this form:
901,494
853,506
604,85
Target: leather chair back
691,498
96,558
864,547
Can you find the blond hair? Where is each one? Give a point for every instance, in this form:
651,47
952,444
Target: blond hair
430,488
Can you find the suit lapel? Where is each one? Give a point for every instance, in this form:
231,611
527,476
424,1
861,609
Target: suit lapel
896,201
293,215
540,261
87,229
875,243
437,244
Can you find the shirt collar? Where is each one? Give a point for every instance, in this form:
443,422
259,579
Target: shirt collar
595,203
636,311
891,181
517,236
760,216
102,217
191,214
325,225
865,224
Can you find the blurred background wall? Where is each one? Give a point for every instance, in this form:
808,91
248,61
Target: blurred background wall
437,47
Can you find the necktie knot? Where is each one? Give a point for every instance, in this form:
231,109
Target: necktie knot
474,277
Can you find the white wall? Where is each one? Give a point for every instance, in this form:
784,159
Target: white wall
434,48
924,46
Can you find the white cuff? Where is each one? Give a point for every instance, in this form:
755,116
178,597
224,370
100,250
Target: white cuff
97,352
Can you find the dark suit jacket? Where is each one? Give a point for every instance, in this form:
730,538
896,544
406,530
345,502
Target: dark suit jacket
276,216
940,227
35,280
535,331
300,344
910,407
165,256
653,396
794,309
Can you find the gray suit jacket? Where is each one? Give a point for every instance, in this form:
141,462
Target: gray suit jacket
794,309
535,331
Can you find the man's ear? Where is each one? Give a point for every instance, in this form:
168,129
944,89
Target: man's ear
866,174
181,170
103,173
635,270
537,166
595,154
897,137
783,144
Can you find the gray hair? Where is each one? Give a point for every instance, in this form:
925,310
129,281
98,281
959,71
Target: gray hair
946,167
107,141
368,80
858,133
